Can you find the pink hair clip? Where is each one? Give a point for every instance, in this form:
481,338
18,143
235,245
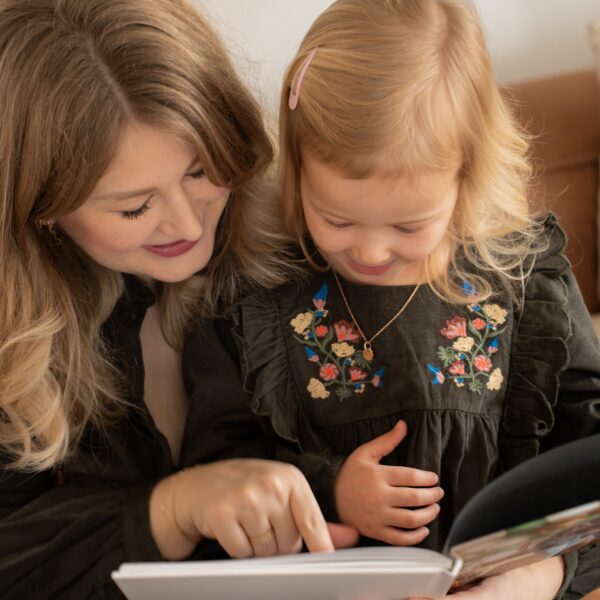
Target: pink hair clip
297,84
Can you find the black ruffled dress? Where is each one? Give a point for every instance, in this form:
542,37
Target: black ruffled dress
482,387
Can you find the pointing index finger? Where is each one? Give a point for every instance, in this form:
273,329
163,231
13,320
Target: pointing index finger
309,519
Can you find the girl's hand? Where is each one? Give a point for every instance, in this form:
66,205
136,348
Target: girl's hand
539,581
371,496
251,507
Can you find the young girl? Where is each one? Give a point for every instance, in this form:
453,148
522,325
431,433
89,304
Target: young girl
130,152
440,328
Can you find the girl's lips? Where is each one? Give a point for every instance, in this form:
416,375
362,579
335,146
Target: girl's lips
171,250
365,270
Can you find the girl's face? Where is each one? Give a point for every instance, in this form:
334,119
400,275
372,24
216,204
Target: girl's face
154,213
377,230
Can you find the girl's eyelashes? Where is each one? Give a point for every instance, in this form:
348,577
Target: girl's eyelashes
339,225
198,174
405,229
138,212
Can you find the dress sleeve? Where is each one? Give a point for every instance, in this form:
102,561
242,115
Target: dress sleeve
554,382
219,415
266,376
65,540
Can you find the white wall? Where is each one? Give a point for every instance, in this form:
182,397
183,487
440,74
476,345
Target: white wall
527,38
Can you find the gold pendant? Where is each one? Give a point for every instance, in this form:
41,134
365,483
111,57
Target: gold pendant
367,352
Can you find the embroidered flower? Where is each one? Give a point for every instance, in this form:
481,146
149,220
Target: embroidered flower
376,381
482,363
464,344
328,372
311,354
301,322
495,380
321,331
455,327
320,298
438,376
479,324
467,363
457,368
345,332
357,374
317,389
343,349
495,313
468,289
341,366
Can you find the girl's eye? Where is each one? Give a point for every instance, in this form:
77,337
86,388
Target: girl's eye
197,174
138,212
405,229
340,225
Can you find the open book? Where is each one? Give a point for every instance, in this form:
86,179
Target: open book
546,506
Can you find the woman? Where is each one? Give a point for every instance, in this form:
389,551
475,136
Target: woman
131,160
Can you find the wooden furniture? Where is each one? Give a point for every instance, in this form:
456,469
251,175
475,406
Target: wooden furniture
562,113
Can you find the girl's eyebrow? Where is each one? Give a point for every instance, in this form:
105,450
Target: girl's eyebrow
135,193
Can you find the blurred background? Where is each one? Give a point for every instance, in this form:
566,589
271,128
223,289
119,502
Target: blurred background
543,59
527,38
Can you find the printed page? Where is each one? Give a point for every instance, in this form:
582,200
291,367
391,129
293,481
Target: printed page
525,544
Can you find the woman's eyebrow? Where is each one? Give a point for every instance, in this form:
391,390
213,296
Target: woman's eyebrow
136,193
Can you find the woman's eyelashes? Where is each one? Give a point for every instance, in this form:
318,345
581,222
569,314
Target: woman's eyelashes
137,212
144,208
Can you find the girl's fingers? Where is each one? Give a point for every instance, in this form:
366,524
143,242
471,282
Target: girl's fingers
408,477
410,497
411,519
398,537
343,536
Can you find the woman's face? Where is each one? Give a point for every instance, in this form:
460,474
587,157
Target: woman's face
153,213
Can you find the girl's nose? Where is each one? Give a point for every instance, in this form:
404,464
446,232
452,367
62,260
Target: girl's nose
181,220
371,253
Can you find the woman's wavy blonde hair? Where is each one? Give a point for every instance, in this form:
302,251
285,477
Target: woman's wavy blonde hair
397,86
73,74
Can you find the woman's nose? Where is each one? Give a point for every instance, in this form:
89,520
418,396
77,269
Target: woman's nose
182,221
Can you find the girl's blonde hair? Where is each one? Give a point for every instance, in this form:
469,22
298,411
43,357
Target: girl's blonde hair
73,74
398,86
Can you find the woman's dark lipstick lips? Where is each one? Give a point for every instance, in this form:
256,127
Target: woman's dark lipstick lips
171,250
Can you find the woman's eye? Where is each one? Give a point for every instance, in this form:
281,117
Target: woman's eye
196,174
138,212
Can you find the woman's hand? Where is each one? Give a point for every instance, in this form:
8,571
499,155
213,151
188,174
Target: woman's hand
374,498
251,507
539,581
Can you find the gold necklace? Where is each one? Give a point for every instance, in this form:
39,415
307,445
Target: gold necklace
367,347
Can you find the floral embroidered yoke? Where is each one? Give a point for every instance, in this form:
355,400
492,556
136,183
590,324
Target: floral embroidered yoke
330,347
469,358
481,387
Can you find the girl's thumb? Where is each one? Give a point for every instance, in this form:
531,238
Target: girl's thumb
384,444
